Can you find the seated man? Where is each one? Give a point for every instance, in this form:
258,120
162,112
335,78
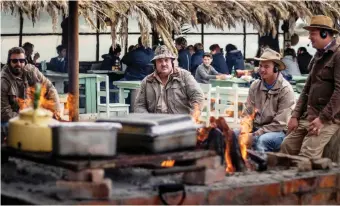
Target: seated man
29,49
316,116
168,89
16,76
205,71
59,63
273,99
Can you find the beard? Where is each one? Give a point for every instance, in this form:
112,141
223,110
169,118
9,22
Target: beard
17,70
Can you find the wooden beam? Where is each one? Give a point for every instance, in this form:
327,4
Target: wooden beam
21,28
73,57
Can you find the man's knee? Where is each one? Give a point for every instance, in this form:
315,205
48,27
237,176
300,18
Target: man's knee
269,141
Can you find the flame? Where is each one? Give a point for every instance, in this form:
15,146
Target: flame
45,103
168,163
246,128
70,106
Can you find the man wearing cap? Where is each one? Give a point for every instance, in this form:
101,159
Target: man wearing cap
316,116
168,89
272,99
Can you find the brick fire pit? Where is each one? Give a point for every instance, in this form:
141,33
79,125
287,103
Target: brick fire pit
32,183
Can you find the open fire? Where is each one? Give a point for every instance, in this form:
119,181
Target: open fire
46,103
217,134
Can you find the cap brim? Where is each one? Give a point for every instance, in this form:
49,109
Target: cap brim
282,66
308,28
162,57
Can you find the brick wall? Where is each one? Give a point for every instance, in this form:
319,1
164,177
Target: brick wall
310,188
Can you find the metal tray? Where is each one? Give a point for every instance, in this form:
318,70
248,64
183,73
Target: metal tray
84,139
134,143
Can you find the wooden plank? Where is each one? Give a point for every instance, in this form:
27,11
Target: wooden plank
114,162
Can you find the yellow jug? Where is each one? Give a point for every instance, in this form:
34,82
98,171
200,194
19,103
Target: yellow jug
30,130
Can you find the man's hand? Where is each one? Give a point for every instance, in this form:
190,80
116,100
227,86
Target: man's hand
221,76
292,124
315,126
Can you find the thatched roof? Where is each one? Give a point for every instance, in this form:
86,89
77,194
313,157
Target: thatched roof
168,16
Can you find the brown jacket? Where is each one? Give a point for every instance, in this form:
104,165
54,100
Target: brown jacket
321,95
273,106
13,87
182,91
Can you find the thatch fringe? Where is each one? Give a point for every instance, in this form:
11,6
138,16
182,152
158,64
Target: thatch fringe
168,16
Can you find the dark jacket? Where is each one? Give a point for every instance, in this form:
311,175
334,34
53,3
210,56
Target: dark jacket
303,61
58,66
196,60
320,96
219,63
110,61
234,59
184,59
138,63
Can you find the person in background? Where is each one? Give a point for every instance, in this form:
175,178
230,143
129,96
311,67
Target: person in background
272,100
197,57
205,71
303,59
191,49
218,62
29,49
170,89
184,57
289,58
112,59
316,116
233,58
138,62
59,63
16,76
131,48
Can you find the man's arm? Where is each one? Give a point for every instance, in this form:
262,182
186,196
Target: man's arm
214,72
285,106
193,91
204,74
140,102
6,109
301,103
250,103
333,106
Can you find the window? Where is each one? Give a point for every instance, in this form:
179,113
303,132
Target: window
7,42
10,24
251,45
87,48
44,45
222,41
42,25
211,29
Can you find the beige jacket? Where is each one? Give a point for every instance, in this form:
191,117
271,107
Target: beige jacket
181,93
13,87
273,106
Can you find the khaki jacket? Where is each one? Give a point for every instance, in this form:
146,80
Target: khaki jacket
181,93
274,106
13,87
321,95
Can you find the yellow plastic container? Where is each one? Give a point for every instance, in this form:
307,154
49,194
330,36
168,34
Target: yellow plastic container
30,130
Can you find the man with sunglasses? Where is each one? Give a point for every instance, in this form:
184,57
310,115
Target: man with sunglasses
16,76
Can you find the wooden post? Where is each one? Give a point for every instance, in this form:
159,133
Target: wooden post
73,58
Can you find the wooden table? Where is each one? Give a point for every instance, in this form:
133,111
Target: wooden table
300,79
89,80
133,85
229,82
105,72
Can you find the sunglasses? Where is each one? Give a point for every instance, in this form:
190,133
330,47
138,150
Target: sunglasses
14,61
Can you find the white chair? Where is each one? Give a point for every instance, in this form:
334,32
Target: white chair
108,107
206,112
226,98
